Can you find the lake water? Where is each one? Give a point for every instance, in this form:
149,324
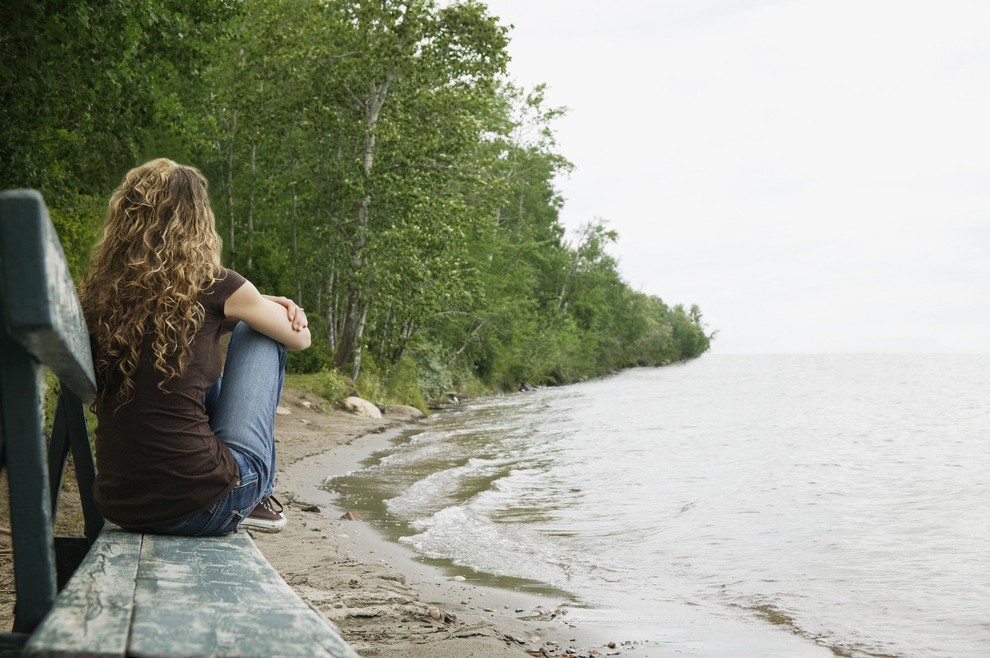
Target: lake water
733,505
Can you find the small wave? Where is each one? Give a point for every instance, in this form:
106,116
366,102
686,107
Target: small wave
442,488
779,617
473,541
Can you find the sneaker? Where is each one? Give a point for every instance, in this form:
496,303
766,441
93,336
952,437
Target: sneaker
266,516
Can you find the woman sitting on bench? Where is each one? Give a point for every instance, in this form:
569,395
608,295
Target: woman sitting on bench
181,449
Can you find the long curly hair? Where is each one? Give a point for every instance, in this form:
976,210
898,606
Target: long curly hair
158,252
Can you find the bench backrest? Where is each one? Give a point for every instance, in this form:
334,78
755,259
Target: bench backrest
41,324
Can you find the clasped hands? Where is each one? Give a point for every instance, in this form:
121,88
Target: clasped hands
295,313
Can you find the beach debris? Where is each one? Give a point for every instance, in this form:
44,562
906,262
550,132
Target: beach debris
544,614
351,516
282,411
459,579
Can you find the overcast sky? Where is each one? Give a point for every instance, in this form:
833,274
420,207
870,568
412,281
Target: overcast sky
815,174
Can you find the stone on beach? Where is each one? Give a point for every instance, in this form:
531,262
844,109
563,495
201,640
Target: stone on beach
404,411
362,407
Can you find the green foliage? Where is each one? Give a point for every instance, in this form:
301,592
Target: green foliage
83,86
366,157
404,386
329,384
319,356
371,383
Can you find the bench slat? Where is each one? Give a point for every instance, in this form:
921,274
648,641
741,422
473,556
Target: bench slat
155,596
93,614
226,599
43,313
230,569
261,630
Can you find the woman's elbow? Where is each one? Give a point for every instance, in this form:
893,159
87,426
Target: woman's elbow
299,340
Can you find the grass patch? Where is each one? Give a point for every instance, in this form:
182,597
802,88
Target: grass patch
330,385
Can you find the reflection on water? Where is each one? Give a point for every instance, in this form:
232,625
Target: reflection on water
842,498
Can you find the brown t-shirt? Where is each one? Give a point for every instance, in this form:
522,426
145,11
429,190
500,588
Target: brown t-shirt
157,458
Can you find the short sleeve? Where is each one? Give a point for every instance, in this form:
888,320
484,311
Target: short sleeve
227,283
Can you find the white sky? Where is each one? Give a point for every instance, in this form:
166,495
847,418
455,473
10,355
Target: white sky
815,174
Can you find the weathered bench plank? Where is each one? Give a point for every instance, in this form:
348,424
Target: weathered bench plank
225,596
94,611
41,309
168,597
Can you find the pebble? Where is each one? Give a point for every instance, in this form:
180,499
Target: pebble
435,613
459,579
281,411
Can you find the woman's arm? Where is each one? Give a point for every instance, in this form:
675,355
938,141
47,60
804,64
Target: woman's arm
268,317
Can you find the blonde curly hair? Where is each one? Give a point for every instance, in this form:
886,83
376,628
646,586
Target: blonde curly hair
158,252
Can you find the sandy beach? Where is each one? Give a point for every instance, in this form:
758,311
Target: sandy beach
384,602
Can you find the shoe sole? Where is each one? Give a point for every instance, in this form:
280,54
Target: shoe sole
263,527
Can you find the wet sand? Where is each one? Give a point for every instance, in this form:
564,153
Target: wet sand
384,601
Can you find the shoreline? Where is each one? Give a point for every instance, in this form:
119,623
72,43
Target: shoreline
385,602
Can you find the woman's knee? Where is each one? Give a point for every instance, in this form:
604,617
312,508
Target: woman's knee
245,339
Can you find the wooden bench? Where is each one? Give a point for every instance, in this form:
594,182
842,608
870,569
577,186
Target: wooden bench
110,593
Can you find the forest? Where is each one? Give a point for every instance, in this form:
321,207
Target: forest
371,159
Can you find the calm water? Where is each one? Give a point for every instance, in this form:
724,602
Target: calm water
837,502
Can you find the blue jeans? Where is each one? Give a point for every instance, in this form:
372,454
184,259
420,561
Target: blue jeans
241,407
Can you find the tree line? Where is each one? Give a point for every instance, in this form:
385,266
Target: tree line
369,158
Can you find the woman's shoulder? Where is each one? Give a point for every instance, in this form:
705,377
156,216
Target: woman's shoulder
226,282
225,273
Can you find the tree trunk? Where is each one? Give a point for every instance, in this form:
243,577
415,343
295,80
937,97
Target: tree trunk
352,332
331,313
250,208
474,332
356,370
231,243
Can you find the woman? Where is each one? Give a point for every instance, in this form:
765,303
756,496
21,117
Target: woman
180,449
